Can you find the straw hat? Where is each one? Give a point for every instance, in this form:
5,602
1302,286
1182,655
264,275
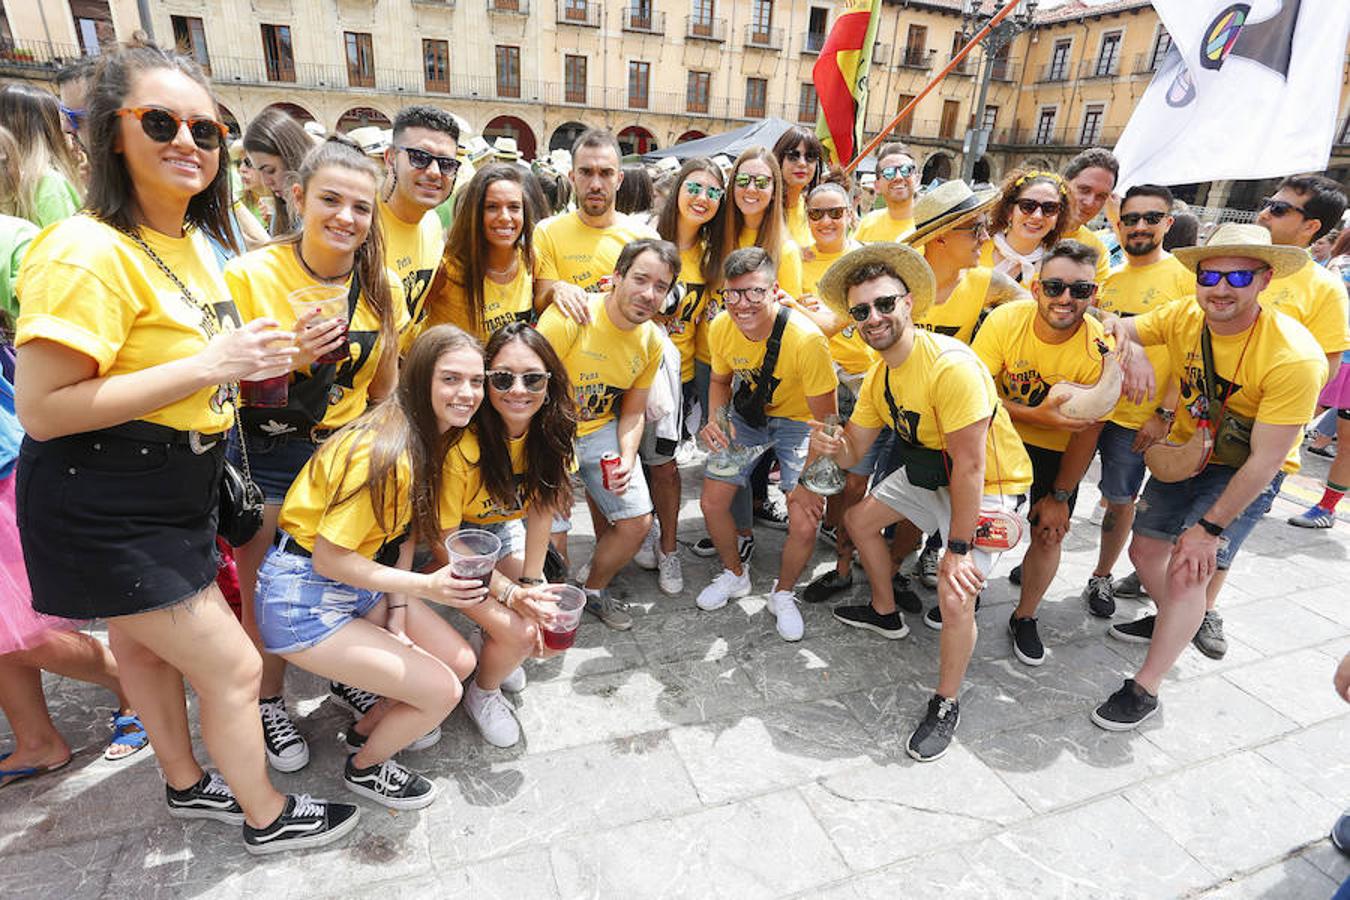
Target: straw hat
907,262
1253,241
505,149
938,210
476,148
370,139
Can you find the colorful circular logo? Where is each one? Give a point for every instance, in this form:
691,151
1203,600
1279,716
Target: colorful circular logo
1222,34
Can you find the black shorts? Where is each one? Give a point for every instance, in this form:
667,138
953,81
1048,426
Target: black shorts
1044,471
112,526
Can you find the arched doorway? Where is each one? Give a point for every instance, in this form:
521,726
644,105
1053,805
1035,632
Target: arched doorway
690,136
938,167
982,174
565,135
360,117
636,139
510,126
231,122
295,111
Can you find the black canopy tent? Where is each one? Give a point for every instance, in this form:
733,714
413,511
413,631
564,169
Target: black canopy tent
731,143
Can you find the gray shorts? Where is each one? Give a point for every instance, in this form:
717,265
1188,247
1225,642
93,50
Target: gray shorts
635,501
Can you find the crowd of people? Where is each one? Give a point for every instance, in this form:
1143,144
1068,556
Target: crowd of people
237,481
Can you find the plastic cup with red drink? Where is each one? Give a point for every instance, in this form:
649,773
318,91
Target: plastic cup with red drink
473,554
563,616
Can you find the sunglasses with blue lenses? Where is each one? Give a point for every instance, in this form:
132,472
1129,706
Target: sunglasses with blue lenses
1238,278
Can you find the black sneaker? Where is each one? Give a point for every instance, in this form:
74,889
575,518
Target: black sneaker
934,734
1027,644
1340,834
905,596
210,798
354,740
863,615
1015,576
1140,631
304,823
745,544
286,749
354,700
828,534
1129,588
389,784
773,514
1126,708
1209,640
1100,596
933,618
823,587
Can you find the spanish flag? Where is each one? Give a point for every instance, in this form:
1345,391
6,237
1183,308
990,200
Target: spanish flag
840,75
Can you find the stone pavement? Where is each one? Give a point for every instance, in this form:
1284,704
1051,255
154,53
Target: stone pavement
699,755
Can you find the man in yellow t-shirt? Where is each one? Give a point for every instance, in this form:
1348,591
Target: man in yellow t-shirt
959,451
771,409
1090,177
421,168
1030,346
1265,367
612,361
897,183
1150,279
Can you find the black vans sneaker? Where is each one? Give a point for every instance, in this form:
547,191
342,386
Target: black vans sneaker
826,585
934,734
1100,596
890,626
354,700
304,823
286,749
905,596
1140,631
389,784
1027,644
1126,708
933,618
745,546
210,798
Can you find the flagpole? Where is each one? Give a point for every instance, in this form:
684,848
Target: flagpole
909,107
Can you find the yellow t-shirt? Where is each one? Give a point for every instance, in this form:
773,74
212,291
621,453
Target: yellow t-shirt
1025,367
798,229
940,388
464,494
1280,376
259,282
603,360
960,312
877,227
682,325
804,368
1087,236
413,250
847,348
338,467
502,303
1315,297
1135,290
88,287
567,249
789,275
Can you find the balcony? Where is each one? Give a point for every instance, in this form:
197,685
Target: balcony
30,56
916,58
965,67
1101,68
435,4
813,42
759,38
581,13
1146,63
510,7
644,20
1069,136
699,28
1004,70
1053,72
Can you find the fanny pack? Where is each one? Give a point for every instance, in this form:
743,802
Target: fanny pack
1233,433
748,402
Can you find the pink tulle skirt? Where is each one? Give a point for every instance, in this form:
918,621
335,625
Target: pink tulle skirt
20,626
1337,392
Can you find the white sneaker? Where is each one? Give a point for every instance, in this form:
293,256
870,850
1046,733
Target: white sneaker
724,587
493,714
515,682
646,557
583,573
670,574
783,604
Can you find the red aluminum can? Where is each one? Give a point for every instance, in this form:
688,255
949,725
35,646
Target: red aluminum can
608,464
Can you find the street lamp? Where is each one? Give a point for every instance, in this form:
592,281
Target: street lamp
974,16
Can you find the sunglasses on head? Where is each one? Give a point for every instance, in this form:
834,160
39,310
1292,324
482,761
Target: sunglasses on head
1152,217
421,159
1078,290
760,181
802,156
1238,278
503,380
834,212
1047,207
904,170
162,126
885,305
1279,208
694,189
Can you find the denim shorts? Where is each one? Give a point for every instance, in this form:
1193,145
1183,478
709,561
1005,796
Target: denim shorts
788,439
511,533
1122,468
297,607
1166,510
273,462
635,501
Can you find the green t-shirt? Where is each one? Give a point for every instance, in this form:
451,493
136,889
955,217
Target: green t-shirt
15,235
56,199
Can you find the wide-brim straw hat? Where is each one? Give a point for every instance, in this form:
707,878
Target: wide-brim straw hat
939,210
370,138
1251,241
907,262
505,148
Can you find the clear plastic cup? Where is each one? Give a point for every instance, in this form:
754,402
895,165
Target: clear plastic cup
331,302
473,554
560,627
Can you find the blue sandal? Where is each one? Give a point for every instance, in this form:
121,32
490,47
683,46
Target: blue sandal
128,731
11,776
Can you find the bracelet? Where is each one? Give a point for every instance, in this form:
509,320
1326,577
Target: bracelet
524,579
1211,528
397,606
505,598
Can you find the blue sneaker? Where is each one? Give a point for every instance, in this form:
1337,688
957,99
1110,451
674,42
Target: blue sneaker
1313,517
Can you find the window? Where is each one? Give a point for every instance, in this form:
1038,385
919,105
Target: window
436,65
756,97
277,51
1045,126
696,94
807,106
189,36
640,14
1108,57
574,79
93,24
906,126
1002,67
916,45
959,41
360,60
815,29
508,71
761,17
701,22
951,109
639,83
1162,43
1345,132
1059,61
990,118
574,10
1092,124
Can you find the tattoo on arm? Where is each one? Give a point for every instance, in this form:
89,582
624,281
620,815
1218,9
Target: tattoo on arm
1003,289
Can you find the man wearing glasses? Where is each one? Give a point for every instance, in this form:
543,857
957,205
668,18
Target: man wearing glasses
897,183
1236,363
421,167
1090,177
772,408
1029,346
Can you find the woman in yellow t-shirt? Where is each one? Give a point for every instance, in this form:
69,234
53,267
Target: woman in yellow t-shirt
755,217
127,363
801,158
1027,220
335,199
484,280
276,145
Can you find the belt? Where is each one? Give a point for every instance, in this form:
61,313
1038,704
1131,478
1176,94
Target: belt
152,433
286,544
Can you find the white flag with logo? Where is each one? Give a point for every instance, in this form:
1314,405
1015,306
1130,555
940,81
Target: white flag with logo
1249,90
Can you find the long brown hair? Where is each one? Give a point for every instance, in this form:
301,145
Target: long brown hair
548,443
773,229
711,231
342,152
110,186
277,133
466,249
1013,185
33,117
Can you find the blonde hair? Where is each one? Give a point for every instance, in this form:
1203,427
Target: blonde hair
33,117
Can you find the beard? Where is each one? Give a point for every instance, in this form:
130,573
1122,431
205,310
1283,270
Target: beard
1133,247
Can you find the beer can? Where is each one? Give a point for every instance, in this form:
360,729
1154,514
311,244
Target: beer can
608,464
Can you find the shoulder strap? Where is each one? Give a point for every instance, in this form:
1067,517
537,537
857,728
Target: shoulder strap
353,295
770,362
1207,355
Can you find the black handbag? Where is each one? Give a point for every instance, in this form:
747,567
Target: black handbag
1233,432
750,403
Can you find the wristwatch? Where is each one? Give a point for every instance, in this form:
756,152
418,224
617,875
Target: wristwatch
960,548
1167,415
1060,496
1211,528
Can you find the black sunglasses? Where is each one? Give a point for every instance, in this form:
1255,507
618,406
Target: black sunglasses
1238,278
802,156
162,126
502,380
884,305
1279,208
1029,206
1078,290
421,159
1152,217
834,212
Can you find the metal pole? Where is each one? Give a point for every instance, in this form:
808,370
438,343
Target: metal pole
147,23
968,159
